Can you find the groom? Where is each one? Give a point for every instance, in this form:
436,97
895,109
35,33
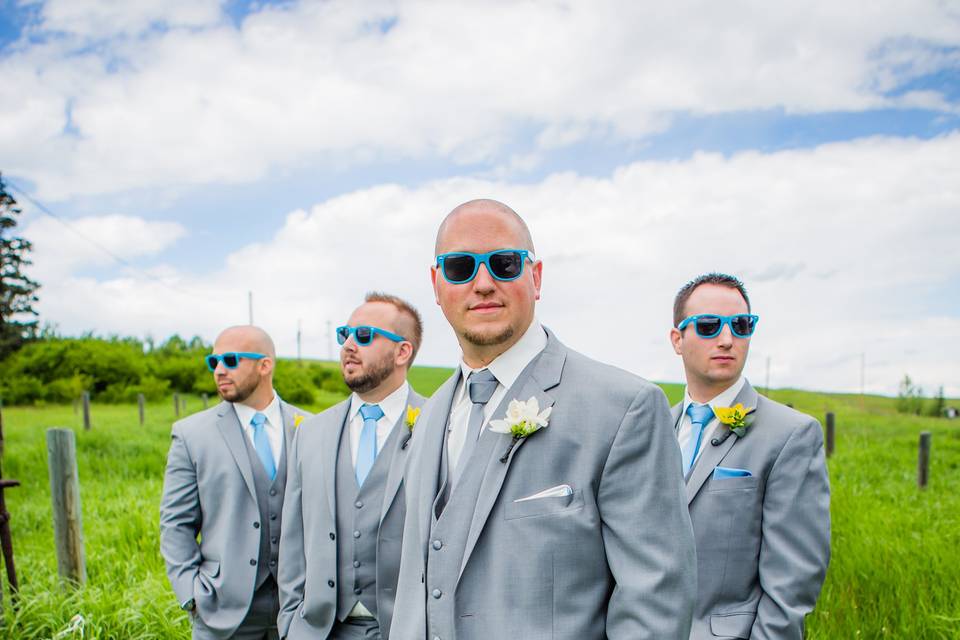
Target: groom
756,488
577,530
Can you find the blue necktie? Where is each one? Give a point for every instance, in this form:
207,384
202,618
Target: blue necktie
700,417
367,447
262,444
480,385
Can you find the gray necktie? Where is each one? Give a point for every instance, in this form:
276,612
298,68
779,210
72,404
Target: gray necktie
480,385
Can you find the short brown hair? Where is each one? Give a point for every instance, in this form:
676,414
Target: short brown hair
686,291
412,328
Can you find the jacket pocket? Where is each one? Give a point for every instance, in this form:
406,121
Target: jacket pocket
729,484
732,625
543,506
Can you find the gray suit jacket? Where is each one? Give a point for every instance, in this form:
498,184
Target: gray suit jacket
614,559
308,547
208,491
763,541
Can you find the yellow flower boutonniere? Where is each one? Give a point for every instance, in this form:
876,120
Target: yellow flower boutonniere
410,420
737,418
297,419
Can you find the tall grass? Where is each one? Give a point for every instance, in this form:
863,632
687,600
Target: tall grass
894,572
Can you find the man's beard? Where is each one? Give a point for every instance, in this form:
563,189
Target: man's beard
371,379
487,340
240,391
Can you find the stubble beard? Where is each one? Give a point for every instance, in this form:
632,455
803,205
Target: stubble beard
372,378
488,340
241,390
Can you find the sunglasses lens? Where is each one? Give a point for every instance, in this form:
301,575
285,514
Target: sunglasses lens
742,325
708,326
212,361
459,268
230,360
364,335
342,334
507,265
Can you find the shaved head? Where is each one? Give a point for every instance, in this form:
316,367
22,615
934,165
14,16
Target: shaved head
485,207
251,338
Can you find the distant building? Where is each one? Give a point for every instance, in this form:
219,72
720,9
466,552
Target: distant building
951,412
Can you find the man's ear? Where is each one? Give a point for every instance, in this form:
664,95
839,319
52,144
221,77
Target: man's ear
676,339
537,276
404,354
433,281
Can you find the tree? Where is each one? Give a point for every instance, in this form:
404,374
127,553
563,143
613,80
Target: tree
17,291
938,404
909,397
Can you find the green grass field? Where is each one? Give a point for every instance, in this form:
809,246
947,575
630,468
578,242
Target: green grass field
895,569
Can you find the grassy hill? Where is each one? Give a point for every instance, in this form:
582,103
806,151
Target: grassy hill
894,568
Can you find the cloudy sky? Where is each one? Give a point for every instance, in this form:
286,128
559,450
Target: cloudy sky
193,151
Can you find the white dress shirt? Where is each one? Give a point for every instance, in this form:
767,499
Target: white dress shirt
723,399
506,367
393,406
273,425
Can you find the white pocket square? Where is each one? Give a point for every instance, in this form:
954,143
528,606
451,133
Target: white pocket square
558,491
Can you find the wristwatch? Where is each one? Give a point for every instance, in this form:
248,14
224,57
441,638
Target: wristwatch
188,605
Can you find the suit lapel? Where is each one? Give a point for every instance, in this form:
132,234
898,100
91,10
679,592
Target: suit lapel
713,455
545,375
428,456
330,435
232,432
397,463
675,413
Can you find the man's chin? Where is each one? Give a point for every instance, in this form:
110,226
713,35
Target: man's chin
489,337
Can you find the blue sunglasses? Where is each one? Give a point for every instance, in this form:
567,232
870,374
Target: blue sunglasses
231,359
460,267
708,325
364,335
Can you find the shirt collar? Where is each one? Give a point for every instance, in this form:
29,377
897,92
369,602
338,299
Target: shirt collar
508,366
723,399
245,412
392,406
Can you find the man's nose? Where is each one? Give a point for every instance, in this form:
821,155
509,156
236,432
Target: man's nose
483,282
725,339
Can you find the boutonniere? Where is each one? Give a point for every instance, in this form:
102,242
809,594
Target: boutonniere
297,419
736,418
410,420
522,420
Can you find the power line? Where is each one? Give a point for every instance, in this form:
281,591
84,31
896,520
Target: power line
46,210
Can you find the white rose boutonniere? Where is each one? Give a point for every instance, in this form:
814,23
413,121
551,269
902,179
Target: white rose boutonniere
522,420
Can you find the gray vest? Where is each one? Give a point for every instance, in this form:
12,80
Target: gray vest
358,524
450,523
270,504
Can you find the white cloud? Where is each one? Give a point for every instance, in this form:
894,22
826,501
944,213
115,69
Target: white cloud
846,249
200,101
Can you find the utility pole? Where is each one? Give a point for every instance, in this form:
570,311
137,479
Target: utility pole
767,385
299,334
250,305
863,375
329,341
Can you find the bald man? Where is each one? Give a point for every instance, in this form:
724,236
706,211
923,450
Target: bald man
224,484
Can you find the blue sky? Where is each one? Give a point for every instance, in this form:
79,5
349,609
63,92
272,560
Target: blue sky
218,148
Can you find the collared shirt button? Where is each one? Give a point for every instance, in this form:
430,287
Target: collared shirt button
358,504
256,525
356,534
437,593
273,492
437,545
356,563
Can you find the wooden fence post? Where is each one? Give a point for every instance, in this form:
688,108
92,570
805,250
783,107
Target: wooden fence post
176,405
65,494
86,411
831,433
6,540
923,460
140,402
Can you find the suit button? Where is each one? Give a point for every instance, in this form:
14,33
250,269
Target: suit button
358,591
273,540
273,563
356,563
437,593
256,525
330,583
437,545
273,516
253,562
333,536
358,504
356,534
273,492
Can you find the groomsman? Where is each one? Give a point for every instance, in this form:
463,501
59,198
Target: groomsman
224,484
344,509
562,517
755,474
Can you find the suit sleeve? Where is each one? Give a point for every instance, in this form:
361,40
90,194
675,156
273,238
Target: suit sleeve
795,544
646,527
180,518
292,563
